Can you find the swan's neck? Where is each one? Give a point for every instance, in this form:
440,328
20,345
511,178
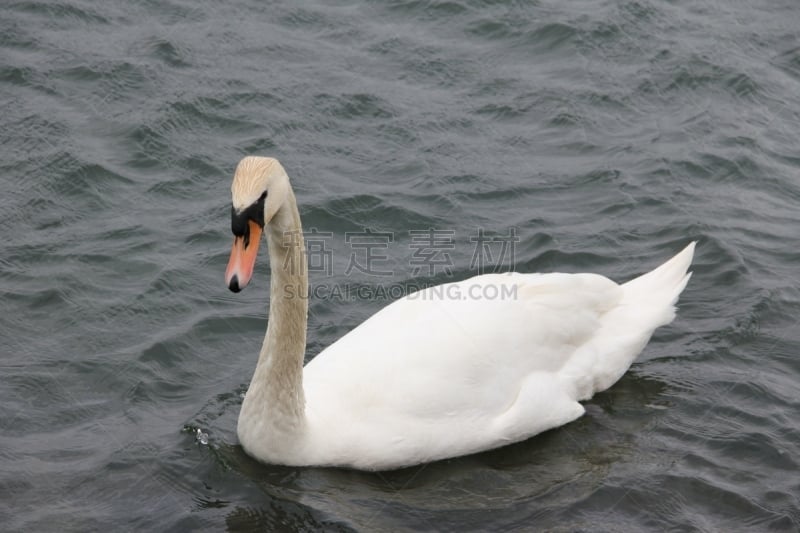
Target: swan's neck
275,401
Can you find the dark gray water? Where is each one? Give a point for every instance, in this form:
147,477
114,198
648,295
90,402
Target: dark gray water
606,134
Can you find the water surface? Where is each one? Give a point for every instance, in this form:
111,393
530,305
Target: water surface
607,134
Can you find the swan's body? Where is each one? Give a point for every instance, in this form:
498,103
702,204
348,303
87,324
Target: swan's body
447,371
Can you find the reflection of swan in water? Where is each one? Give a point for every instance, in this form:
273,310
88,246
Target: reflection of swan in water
434,374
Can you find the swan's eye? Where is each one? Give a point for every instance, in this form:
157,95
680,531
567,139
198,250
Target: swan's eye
254,212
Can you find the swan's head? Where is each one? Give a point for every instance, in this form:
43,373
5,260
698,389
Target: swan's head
260,186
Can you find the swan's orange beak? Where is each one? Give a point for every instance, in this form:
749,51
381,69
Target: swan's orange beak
243,258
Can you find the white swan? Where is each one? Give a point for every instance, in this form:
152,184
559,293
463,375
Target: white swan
432,375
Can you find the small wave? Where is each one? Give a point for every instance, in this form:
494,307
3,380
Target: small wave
61,14
354,106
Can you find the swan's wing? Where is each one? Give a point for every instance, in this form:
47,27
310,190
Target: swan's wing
479,357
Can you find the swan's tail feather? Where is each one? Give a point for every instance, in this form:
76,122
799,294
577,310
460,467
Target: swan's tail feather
647,303
662,286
